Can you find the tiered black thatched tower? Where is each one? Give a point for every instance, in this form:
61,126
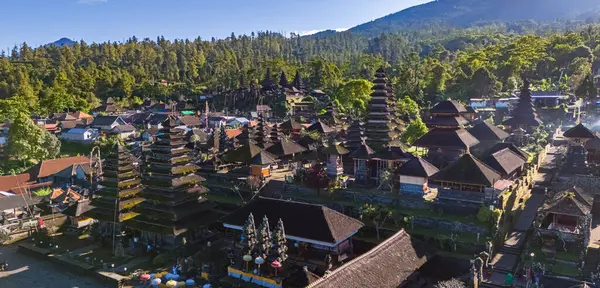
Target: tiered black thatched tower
121,187
174,205
381,127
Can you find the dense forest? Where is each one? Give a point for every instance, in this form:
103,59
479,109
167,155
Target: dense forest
52,79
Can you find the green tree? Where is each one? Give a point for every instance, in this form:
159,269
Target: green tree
26,141
415,130
408,108
409,75
379,215
354,94
52,145
324,74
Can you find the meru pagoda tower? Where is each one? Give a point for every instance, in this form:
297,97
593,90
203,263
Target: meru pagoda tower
120,189
523,116
381,127
174,208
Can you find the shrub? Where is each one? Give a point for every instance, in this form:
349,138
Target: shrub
160,260
484,215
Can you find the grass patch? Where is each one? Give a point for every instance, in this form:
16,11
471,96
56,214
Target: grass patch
69,148
565,270
572,256
413,150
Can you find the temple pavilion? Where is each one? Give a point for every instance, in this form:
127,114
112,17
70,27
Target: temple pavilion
174,210
414,175
487,134
381,123
321,128
309,227
447,140
576,157
291,127
120,189
362,163
332,116
523,115
468,180
262,135
355,135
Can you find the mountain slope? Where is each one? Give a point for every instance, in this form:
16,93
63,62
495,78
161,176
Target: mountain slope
62,42
464,13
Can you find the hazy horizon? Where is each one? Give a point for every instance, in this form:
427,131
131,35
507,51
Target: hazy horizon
38,22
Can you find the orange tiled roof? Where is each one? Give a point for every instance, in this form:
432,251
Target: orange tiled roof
50,167
232,133
81,115
9,182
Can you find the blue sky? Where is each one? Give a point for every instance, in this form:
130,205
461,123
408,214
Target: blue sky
38,22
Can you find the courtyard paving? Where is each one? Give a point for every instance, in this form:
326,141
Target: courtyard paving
27,271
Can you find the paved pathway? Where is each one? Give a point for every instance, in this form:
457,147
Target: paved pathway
27,271
506,259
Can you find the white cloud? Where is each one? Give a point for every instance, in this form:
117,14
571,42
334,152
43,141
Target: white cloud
91,1
311,32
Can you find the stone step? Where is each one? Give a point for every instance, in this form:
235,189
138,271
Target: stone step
503,270
490,285
510,250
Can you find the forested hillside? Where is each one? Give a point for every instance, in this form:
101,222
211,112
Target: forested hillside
461,65
447,14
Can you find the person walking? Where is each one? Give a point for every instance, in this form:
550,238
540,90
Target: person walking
508,281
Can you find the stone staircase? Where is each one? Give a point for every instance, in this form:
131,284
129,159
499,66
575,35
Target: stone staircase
490,285
592,260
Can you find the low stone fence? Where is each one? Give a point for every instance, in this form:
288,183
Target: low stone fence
434,223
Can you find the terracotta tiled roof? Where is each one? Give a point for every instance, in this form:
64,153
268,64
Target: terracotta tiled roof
232,133
190,120
9,182
50,167
52,126
388,265
65,196
81,115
